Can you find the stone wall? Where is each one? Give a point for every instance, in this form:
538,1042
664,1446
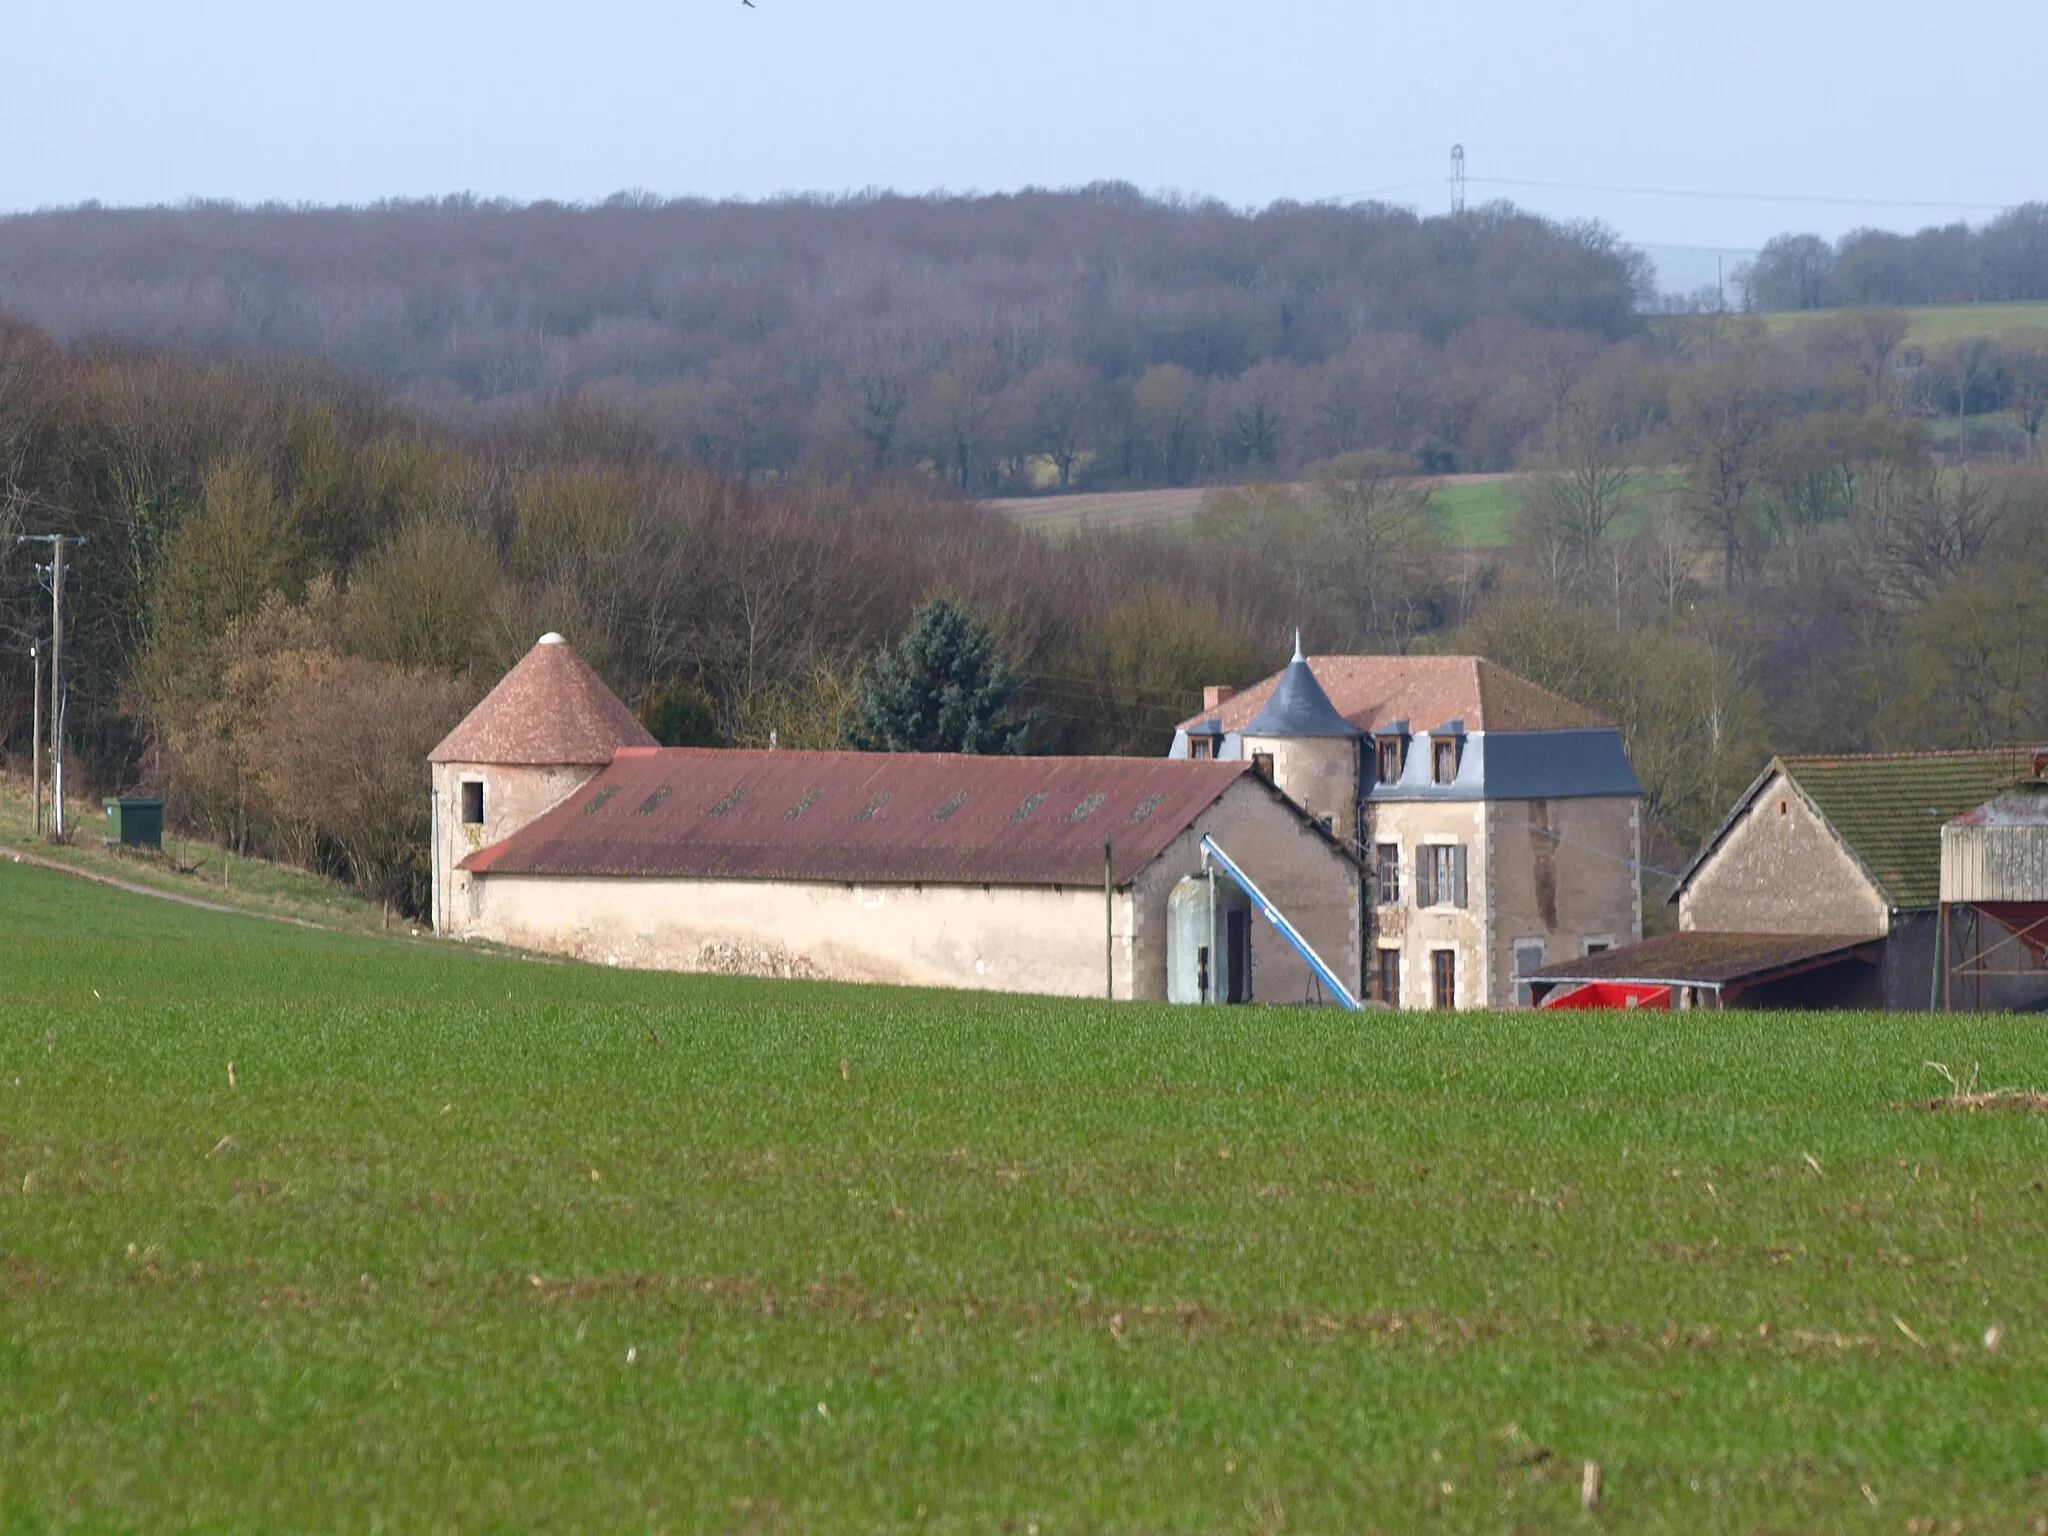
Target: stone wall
1562,872
1779,869
513,798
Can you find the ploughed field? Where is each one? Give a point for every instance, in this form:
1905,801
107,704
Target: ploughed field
476,1242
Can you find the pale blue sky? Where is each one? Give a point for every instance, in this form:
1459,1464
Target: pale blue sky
145,101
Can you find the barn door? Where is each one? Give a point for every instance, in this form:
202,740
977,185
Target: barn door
1237,934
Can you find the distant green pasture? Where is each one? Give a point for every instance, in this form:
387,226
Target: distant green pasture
474,1243
1478,510
1933,322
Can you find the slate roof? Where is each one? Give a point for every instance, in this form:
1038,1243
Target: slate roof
1297,706
549,710
1703,959
1887,809
1426,691
871,817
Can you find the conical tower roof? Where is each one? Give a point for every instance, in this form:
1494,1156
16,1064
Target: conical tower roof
550,710
1298,706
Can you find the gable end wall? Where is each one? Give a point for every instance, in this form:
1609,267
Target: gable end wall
1782,873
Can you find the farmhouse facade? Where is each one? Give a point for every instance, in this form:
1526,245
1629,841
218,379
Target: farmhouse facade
1501,823
1821,888
1047,875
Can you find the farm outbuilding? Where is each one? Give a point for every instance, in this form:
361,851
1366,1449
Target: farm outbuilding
1679,971
1045,875
1994,900
1823,888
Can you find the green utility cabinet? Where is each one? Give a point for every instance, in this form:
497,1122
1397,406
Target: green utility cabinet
133,823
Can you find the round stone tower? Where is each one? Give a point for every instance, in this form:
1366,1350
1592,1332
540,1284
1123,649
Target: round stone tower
546,730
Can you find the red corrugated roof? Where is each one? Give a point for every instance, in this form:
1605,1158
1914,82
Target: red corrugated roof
1426,691
880,817
549,710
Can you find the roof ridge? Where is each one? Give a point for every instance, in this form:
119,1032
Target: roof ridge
1866,757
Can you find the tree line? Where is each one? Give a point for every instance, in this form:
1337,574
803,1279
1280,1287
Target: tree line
2005,261
1732,540
1124,339
292,584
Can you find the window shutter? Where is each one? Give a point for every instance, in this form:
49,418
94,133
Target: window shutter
1425,877
1458,876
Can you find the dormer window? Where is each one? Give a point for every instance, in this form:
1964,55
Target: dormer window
1205,741
1446,749
1390,744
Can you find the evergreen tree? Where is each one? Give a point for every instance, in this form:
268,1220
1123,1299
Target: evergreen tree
943,687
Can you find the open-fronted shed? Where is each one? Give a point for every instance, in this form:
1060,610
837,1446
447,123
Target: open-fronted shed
1718,970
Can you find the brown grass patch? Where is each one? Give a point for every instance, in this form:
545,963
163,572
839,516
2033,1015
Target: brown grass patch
1968,1098
2024,1099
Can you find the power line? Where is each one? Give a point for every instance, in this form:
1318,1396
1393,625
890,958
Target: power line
1458,179
1406,186
1601,853
1747,197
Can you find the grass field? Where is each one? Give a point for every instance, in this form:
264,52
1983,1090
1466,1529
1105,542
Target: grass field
183,867
474,1243
1936,322
1478,510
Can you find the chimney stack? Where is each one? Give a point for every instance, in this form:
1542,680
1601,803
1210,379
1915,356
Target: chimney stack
1214,696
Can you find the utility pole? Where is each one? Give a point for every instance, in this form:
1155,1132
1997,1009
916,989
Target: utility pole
35,753
58,543
1457,180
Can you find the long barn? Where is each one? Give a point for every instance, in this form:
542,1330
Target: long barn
559,827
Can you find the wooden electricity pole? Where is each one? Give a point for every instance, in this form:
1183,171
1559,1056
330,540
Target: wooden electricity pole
58,543
1108,926
35,754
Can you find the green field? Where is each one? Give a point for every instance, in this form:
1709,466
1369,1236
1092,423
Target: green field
475,1243
187,868
1934,322
1478,511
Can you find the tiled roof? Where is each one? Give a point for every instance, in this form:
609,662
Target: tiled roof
1888,808
1426,691
549,710
864,817
1710,959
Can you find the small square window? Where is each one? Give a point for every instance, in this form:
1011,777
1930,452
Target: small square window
473,802
1387,862
1198,747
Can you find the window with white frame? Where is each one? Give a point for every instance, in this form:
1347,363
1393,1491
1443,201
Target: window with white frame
1387,861
1528,954
1440,875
